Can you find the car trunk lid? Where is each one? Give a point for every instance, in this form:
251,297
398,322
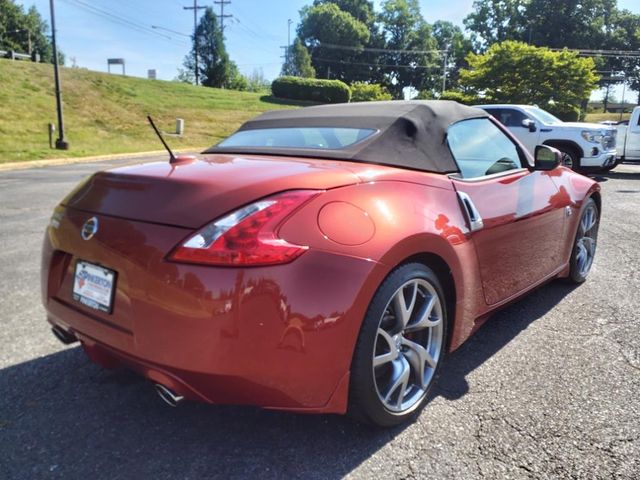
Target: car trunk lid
192,194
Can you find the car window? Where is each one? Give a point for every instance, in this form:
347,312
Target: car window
304,137
480,148
508,117
543,116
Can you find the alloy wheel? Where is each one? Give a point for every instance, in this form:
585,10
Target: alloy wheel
567,160
408,345
586,240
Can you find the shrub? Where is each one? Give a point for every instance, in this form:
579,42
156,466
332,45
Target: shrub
459,97
368,92
425,95
315,90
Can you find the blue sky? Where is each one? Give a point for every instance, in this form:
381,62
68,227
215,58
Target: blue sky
254,34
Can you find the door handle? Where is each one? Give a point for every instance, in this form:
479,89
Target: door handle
473,216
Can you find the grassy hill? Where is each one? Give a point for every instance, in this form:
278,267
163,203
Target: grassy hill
107,113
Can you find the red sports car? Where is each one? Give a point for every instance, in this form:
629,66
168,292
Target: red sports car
318,260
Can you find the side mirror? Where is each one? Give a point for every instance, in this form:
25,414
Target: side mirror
530,124
547,158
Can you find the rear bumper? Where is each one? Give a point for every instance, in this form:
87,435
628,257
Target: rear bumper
276,337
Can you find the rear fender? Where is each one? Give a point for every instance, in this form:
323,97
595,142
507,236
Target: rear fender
402,221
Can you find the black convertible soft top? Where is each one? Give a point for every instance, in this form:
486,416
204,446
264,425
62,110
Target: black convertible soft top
409,134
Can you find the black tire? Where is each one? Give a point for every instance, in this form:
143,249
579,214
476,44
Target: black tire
366,404
570,158
578,271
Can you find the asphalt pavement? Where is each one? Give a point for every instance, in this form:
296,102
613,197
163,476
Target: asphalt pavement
548,388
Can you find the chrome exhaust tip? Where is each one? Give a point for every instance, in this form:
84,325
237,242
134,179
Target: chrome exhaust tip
64,336
168,396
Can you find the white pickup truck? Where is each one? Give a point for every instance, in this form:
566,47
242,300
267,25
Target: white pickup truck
583,145
629,138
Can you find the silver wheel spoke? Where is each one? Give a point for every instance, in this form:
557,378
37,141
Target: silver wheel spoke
389,356
418,358
420,351
402,310
400,379
425,321
589,245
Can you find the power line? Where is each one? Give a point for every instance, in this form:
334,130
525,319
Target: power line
262,34
328,60
584,52
376,50
222,16
258,41
120,20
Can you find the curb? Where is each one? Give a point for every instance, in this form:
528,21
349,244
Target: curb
95,158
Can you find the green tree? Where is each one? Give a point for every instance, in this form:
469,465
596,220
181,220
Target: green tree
549,23
214,67
368,92
493,21
625,35
567,23
363,64
235,80
404,30
574,24
298,61
361,10
18,27
257,81
515,72
450,37
324,26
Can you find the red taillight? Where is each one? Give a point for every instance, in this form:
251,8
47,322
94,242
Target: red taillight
246,236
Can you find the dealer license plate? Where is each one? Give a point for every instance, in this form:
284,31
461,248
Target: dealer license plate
93,286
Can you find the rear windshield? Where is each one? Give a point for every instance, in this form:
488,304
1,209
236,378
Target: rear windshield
327,138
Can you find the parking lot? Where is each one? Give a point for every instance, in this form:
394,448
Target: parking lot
548,388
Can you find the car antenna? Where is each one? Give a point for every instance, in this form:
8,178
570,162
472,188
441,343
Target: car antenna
172,157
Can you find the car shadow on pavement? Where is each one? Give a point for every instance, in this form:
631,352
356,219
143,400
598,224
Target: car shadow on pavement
62,417
613,174
497,332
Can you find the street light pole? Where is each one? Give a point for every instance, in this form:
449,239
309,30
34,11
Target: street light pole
61,143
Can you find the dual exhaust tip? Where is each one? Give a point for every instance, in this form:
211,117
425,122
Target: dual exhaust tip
168,396
65,337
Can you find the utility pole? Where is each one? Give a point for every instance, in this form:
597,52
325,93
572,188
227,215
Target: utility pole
624,89
444,68
195,9
61,143
222,16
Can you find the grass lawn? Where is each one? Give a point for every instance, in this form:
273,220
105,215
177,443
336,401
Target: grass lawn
106,114
600,117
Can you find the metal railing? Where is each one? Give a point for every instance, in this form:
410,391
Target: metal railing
12,55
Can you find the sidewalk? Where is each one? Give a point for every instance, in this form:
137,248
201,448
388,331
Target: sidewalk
95,158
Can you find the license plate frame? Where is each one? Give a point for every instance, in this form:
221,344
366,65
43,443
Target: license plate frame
94,286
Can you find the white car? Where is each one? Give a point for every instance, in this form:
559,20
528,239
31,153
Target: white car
582,144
